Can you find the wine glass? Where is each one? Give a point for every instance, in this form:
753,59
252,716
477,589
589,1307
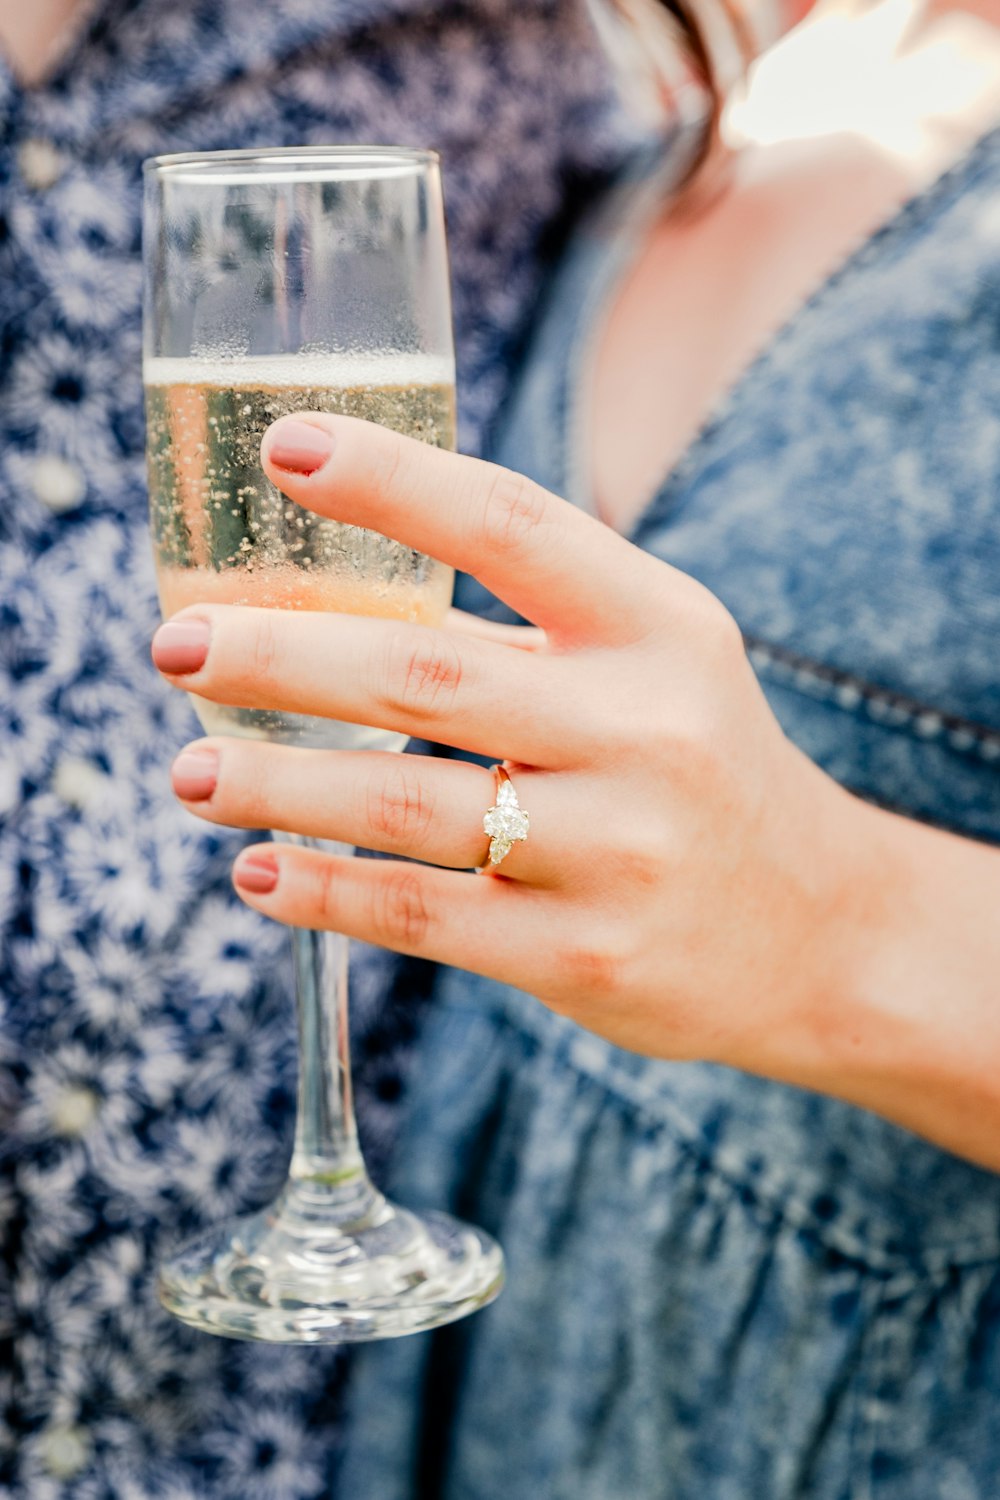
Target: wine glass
275,282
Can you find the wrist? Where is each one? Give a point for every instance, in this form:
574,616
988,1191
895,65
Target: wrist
893,1007
833,921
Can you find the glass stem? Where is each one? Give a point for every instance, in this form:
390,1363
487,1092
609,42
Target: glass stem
326,1148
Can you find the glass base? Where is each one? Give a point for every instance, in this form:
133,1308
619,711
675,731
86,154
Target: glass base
328,1265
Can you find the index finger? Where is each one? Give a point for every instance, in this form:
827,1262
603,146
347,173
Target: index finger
557,567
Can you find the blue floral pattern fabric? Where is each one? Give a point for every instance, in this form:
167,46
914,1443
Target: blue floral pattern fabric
721,1288
147,1064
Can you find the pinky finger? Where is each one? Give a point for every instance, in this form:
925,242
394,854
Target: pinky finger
495,927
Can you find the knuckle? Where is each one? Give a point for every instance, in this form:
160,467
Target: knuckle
645,858
722,636
400,918
697,738
400,810
709,626
692,752
246,791
262,655
421,676
592,969
327,892
515,513
669,735
387,461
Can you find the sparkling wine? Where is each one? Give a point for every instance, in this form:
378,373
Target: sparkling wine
222,533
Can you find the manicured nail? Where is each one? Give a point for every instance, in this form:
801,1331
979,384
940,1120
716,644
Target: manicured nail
297,446
181,646
256,872
194,774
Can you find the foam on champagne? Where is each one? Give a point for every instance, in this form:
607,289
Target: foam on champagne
350,371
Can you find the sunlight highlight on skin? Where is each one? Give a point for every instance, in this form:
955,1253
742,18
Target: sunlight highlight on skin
901,92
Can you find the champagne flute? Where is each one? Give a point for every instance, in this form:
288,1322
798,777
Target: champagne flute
280,281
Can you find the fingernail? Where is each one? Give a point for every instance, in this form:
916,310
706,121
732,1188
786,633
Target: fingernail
194,774
181,646
256,873
297,446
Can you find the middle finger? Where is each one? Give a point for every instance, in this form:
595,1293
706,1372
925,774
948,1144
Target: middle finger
440,685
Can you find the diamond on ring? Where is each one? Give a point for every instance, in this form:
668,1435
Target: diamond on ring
506,822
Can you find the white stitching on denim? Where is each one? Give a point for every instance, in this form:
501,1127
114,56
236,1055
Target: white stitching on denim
892,710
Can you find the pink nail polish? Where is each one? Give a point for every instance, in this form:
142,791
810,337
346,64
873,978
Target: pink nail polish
297,446
256,872
194,774
181,646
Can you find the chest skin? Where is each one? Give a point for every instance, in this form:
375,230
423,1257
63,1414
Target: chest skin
732,259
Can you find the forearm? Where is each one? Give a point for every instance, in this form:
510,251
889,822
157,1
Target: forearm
900,1009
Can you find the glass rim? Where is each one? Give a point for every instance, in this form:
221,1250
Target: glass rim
290,164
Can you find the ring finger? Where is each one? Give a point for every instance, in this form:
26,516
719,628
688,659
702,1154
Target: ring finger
409,805
451,686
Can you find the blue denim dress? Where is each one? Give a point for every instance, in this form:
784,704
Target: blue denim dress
721,1288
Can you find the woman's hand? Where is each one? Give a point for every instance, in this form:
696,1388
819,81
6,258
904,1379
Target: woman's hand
677,881
692,886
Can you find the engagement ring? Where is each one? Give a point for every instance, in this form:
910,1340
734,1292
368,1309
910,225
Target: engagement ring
506,822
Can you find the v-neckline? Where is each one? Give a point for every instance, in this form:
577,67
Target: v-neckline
643,193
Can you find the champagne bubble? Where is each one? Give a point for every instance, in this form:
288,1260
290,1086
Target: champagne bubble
224,534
